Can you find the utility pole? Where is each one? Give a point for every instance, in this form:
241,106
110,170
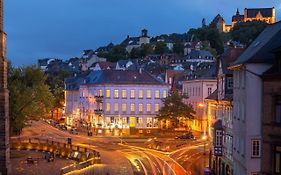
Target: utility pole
4,103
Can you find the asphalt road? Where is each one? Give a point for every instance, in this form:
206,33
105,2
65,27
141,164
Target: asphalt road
126,159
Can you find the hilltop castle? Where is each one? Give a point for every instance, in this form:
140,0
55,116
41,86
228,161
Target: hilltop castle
255,14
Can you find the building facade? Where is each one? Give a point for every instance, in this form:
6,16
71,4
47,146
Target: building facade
117,101
219,109
197,90
248,100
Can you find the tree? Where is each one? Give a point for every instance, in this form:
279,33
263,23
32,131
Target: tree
146,49
30,98
175,109
160,48
56,84
246,32
178,48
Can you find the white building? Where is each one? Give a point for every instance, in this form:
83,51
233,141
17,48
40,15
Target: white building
247,101
115,100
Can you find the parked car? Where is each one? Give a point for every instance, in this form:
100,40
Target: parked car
49,157
188,135
62,127
74,131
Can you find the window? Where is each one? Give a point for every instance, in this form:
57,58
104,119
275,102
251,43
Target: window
278,109
256,148
116,107
157,94
148,107
164,94
277,159
124,94
132,107
133,95
140,107
116,93
107,93
140,93
229,83
148,94
139,121
218,137
209,91
124,107
107,106
100,92
156,107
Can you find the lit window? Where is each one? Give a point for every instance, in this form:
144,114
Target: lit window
124,107
132,107
140,93
148,107
157,94
124,94
140,121
149,122
115,107
133,95
116,93
107,106
164,94
156,107
140,107
107,93
256,148
148,94
100,92
124,121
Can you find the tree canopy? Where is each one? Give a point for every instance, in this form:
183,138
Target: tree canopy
30,98
246,32
174,108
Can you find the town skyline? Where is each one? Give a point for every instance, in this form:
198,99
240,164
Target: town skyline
73,29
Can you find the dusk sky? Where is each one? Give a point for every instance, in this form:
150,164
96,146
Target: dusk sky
63,28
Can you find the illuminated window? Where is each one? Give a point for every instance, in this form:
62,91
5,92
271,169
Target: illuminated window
140,93
124,121
107,106
148,107
116,93
157,94
115,107
107,93
140,107
124,107
140,121
156,107
148,94
100,92
164,94
124,94
133,95
132,107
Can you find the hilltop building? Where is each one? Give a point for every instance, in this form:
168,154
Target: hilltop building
250,14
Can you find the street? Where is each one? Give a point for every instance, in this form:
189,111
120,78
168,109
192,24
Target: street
127,158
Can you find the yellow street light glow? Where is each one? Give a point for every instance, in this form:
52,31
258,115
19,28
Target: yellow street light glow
200,105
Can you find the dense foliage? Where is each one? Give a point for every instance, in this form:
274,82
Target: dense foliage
174,109
30,96
246,32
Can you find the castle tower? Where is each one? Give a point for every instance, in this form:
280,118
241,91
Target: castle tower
4,103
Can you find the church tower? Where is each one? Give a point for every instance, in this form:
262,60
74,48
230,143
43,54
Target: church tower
4,102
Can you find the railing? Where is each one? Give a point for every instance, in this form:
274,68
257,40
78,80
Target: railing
87,156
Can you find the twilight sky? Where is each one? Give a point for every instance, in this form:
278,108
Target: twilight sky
63,28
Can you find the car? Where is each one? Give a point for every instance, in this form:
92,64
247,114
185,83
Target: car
62,127
188,135
49,157
74,131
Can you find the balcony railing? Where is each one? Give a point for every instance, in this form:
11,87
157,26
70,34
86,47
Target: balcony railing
98,111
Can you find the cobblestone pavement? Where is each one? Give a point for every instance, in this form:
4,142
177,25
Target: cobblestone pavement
41,167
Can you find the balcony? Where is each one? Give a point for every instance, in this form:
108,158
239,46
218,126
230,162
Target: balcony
98,111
